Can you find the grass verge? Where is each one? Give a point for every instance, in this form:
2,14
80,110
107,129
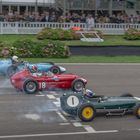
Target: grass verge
109,41
88,59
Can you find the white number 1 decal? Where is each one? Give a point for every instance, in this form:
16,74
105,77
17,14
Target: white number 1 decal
72,101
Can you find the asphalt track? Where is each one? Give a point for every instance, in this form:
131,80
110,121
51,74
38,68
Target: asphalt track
39,116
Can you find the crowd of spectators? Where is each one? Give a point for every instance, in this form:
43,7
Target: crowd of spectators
69,17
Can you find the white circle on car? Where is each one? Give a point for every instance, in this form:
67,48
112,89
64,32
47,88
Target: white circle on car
73,101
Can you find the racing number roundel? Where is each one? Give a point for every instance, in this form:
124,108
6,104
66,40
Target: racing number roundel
72,101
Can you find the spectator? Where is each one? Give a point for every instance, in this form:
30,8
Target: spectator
53,15
47,17
90,22
83,18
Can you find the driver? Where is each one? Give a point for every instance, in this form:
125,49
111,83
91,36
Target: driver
34,70
89,93
14,59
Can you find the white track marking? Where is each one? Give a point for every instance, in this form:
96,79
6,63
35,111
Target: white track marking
56,134
34,117
89,129
40,92
86,127
57,104
52,92
73,120
108,131
39,95
53,110
58,99
66,114
61,116
77,124
51,96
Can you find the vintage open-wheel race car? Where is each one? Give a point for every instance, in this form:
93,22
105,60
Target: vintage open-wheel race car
31,83
86,108
8,69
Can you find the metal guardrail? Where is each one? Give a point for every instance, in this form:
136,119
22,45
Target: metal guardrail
35,27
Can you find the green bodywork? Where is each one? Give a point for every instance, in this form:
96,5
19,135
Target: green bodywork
99,103
113,102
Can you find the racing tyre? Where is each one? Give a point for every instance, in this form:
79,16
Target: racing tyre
137,111
78,85
11,71
86,113
30,86
55,70
126,95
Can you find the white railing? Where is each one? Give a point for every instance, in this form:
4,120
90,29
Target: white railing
35,27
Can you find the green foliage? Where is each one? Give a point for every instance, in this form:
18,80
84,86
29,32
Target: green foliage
7,47
57,34
132,34
27,48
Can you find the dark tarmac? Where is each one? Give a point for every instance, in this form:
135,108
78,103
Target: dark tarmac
39,116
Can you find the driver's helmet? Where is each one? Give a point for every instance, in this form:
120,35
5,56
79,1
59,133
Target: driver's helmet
15,58
34,68
89,93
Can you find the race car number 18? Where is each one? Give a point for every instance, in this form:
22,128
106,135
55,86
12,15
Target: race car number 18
43,85
72,101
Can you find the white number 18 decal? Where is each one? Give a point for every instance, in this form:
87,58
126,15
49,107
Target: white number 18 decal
43,85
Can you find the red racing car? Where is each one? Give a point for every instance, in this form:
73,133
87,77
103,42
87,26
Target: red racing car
30,82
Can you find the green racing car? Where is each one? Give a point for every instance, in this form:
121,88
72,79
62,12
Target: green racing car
85,106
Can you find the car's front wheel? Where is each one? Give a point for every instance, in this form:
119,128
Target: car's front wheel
86,112
78,85
30,86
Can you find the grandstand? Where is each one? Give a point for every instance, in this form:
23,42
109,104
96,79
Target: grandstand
24,5
98,6
30,16
109,6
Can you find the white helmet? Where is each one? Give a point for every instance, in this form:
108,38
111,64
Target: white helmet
90,93
15,58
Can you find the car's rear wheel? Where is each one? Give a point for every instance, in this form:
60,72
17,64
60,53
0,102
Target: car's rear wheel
86,113
30,86
78,85
11,71
126,95
55,70
137,111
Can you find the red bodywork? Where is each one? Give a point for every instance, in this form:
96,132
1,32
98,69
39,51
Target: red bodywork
63,81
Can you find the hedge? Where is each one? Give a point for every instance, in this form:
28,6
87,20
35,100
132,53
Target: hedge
28,48
57,34
132,34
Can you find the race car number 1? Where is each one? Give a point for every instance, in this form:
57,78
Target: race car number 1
73,101
43,85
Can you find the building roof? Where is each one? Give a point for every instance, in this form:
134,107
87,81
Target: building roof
27,1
